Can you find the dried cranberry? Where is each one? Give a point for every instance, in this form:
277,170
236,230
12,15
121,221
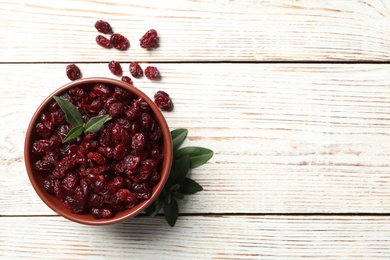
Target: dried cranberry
97,157
73,72
163,101
103,41
138,142
119,41
70,182
46,120
42,130
103,212
44,166
135,70
121,94
142,191
95,200
101,90
127,80
116,109
106,151
146,121
57,117
129,162
42,146
155,178
156,133
149,40
152,73
115,68
118,182
63,130
103,27
101,169
119,152
133,112
48,185
94,107
146,169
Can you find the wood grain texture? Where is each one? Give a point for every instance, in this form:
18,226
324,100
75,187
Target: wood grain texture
208,237
207,30
288,138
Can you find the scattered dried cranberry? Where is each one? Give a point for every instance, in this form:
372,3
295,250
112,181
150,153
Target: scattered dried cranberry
103,27
119,41
127,80
73,72
135,70
105,172
163,101
103,41
149,40
152,72
115,68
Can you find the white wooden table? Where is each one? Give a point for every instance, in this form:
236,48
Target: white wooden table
291,95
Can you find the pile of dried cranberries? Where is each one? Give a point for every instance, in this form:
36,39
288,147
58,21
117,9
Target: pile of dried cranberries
148,41
104,172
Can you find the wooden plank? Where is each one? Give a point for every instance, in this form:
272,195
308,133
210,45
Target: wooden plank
295,138
208,30
211,237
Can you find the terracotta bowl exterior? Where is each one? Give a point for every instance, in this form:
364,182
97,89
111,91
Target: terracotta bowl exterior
37,178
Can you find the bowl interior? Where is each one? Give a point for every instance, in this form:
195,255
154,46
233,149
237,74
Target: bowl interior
37,178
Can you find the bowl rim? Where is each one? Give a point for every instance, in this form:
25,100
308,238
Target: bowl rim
157,189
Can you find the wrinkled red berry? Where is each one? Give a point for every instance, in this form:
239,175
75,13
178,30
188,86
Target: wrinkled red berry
149,40
73,72
103,212
152,72
119,152
115,68
103,27
163,101
119,41
127,80
101,90
103,41
116,109
95,200
135,70
138,142
42,130
97,157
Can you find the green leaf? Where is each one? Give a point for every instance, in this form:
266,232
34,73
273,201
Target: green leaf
168,199
178,137
174,187
179,171
72,114
73,133
198,155
189,186
95,123
171,212
178,195
155,207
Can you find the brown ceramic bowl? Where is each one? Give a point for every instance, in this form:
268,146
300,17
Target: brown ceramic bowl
37,178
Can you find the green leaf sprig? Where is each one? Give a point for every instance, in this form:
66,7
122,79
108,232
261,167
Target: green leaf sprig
178,184
74,117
